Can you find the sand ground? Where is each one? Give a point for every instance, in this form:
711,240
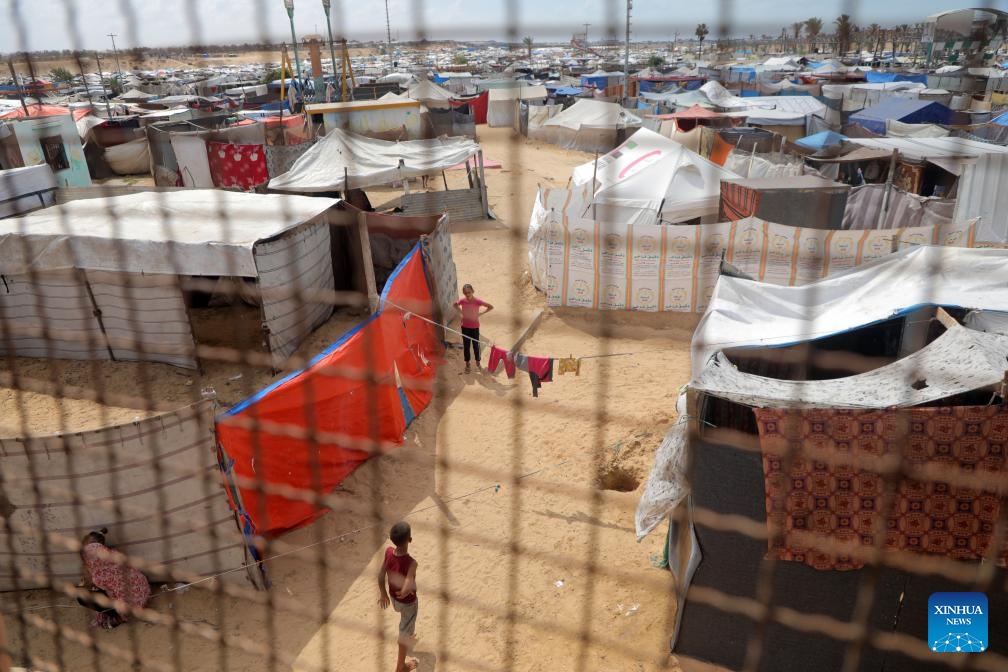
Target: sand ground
522,508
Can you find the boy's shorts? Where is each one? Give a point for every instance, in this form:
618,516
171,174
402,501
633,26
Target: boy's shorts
407,616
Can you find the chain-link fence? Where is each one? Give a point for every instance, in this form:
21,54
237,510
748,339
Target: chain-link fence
218,397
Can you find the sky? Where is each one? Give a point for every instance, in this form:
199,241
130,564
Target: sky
32,25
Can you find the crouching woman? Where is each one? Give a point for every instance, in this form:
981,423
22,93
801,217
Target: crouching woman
105,572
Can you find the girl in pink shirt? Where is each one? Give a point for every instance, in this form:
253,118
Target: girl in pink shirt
469,307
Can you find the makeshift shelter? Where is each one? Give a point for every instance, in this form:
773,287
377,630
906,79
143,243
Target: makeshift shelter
901,109
431,95
119,474
648,178
105,277
591,126
386,119
821,140
341,161
311,429
25,189
763,373
502,103
796,201
48,139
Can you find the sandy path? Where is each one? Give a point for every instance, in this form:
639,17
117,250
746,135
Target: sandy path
503,492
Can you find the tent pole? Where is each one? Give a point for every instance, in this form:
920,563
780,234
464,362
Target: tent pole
484,199
96,310
884,209
444,178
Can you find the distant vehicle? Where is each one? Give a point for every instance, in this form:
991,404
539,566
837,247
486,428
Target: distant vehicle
232,55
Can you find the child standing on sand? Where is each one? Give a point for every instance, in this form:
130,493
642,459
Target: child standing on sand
469,306
400,570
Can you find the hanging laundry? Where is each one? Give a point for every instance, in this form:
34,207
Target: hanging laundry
498,355
569,365
540,370
237,166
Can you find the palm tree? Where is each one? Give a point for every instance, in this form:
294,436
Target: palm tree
813,27
874,30
527,41
844,31
796,29
701,32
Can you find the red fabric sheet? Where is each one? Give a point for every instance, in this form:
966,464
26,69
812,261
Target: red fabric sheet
479,105
348,402
842,500
738,201
237,166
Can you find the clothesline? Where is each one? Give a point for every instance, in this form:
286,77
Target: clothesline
487,342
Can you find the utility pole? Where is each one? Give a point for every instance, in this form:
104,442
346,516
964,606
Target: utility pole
388,35
101,80
585,45
115,52
626,55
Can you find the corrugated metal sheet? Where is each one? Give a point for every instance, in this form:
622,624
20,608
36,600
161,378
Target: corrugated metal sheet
462,205
155,484
292,269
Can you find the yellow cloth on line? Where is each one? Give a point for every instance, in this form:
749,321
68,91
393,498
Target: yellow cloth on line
570,365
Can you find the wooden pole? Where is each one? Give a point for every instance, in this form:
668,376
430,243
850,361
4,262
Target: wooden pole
484,199
20,91
884,209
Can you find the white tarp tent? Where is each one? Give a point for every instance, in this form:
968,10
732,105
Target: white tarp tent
651,177
430,94
118,262
590,125
368,162
502,103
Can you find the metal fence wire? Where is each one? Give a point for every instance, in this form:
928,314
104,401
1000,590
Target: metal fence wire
229,399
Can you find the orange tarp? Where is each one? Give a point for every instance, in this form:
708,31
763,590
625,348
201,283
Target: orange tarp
309,431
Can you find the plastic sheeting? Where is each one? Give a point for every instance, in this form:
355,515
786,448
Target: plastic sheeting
121,477
189,232
591,125
311,429
958,361
25,189
897,129
581,263
982,194
367,162
129,158
865,205
880,290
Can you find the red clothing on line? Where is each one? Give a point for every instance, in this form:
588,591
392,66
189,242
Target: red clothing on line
498,355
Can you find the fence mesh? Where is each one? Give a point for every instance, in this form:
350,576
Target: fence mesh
201,396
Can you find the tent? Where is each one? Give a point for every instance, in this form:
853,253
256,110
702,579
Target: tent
392,119
503,102
759,357
109,271
430,94
25,189
134,95
341,157
901,109
591,126
650,178
821,140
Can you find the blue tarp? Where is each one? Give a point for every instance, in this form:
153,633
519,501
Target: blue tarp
440,79
599,82
885,77
743,73
901,109
694,84
1001,120
749,93
819,140
568,91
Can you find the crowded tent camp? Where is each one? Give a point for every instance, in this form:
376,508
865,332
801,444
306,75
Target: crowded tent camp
337,341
